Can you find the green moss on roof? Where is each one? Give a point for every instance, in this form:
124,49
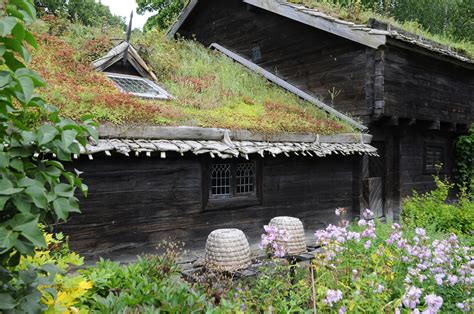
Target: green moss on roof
361,15
210,90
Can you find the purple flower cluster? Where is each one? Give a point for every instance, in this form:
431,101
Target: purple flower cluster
332,297
429,263
275,241
412,297
433,303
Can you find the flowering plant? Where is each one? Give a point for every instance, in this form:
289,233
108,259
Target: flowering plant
274,241
368,264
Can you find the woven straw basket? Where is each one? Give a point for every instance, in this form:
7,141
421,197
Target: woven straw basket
297,241
227,250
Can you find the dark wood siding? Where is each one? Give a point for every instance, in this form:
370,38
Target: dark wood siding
312,60
412,159
135,203
417,86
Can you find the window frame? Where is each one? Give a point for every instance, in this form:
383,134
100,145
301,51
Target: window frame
163,94
439,146
233,200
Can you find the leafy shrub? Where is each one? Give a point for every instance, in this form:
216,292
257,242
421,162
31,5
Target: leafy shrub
34,185
465,160
432,210
147,285
366,266
372,267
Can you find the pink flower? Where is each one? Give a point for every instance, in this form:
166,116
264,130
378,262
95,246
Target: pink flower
434,303
412,297
368,214
367,244
274,240
332,296
439,279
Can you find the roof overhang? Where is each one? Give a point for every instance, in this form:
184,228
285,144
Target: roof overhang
321,21
223,143
369,36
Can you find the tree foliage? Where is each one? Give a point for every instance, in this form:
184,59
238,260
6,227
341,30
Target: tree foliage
465,160
86,12
34,185
165,11
452,18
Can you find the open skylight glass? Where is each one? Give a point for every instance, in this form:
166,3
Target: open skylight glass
138,86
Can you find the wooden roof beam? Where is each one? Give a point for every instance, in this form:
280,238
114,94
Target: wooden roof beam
181,18
361,37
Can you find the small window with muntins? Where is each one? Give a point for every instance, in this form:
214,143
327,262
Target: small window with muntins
138,86
232,179
220,180
433,159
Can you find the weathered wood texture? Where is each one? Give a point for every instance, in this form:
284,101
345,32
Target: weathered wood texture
424,88
135,202
412,159
310,59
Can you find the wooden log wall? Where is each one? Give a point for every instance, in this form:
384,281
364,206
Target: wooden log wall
134,203
412,159
417,86
312,60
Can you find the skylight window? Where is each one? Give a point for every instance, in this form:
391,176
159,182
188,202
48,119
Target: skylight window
138,86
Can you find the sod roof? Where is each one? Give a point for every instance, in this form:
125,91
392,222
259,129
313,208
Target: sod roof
209,89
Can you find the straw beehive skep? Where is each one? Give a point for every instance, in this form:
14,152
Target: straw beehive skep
296,243
227,250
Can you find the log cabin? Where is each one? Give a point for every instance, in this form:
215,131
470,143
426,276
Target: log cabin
415,95
283,153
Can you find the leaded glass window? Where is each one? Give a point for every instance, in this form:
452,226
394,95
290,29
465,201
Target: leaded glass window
138,86
245,178
232,179
220,180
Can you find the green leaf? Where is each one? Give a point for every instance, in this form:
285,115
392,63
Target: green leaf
62,208
46,134
37,80
7,302
4,160
22,203
12,62
24,246
28,277
7,24
17,164
6,187
18,32
56,164
20,14
27,87
25,5
64,190
3,201
7,239
31,232
38,195
31,40
53,172
68,137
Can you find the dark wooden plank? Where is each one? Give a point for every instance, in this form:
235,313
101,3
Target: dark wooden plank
138,204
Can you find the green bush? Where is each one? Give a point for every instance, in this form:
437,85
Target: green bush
434,211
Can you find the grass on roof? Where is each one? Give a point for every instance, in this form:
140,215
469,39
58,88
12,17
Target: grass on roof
210,90
362,15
